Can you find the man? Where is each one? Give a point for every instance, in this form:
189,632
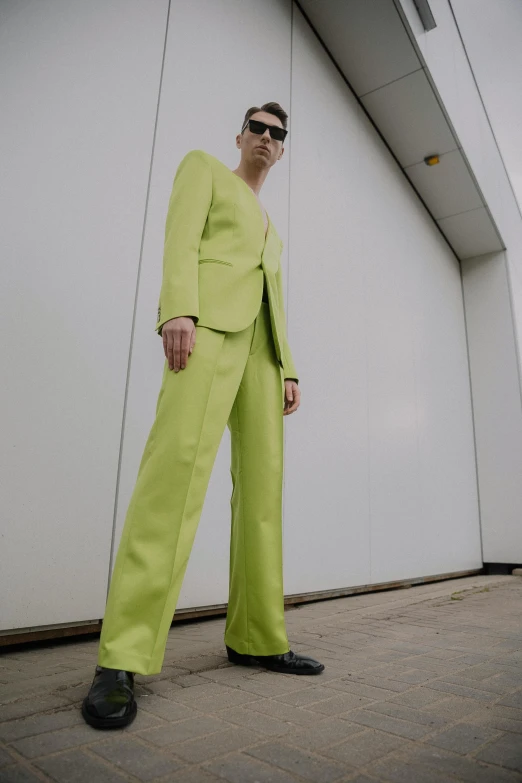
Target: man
222,321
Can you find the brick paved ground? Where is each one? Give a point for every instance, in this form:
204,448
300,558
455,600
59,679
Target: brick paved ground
422,685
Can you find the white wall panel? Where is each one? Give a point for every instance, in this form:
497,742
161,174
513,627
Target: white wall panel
222,57
380,466
482,127
496,401
78,97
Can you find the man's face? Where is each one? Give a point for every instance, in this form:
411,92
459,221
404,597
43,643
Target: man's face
260,150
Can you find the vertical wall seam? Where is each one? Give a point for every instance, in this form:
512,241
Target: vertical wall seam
136,292
470,381
287,286
518,354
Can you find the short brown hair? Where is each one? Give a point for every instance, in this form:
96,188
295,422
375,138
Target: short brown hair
271,108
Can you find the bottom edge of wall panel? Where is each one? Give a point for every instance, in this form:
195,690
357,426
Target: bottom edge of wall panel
62,631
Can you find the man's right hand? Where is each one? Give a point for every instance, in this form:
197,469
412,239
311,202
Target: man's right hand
179,338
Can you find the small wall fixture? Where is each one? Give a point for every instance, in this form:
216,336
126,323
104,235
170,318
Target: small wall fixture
424,11
431,160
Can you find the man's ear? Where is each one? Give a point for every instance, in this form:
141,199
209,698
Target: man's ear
281,153
238,141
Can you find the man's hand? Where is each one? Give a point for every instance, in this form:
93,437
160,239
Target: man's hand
292,397
179,338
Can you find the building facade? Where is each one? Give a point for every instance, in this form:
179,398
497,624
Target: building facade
403,288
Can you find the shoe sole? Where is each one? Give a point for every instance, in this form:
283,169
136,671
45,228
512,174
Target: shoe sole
281,670
108,723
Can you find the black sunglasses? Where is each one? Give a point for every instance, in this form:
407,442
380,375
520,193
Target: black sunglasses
276,133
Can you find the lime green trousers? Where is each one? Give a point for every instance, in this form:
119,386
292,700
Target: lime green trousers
230,378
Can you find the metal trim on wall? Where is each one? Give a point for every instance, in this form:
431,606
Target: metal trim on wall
51,633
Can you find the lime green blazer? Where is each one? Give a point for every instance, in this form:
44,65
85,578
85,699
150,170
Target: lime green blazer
215,254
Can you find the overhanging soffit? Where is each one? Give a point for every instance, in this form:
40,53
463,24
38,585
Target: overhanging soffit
375,50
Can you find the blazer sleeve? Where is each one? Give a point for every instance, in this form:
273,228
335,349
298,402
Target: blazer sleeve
290,371
188,209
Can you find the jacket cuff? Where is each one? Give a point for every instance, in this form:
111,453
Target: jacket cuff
174,313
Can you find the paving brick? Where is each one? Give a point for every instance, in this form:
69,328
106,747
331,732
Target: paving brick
32,706
508,679
514,658
502,709
293,760
199,750
409,648
172,733
194,775
461,690
514,700
360,689
462,738
465,769
473,659
447,655
268,686
361,749
5,758
501,718
435,665
327,731
300,716
37,686
166,708
241,768
200,690
453,707
399,771
226,674
409,714
189,680
257,721
375,720
203,662
505,751
136,758
164,688
51,742
306,696
415,676
19,774
406,675
419,698
143,720
77,766
341,703
230,698
388,656
380,682
487,686
37,724
480,673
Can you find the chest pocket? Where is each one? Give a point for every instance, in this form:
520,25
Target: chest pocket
215,261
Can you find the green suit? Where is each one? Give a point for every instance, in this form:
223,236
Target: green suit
216,253
215,259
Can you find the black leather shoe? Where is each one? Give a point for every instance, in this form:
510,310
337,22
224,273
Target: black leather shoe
287,663
110,702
